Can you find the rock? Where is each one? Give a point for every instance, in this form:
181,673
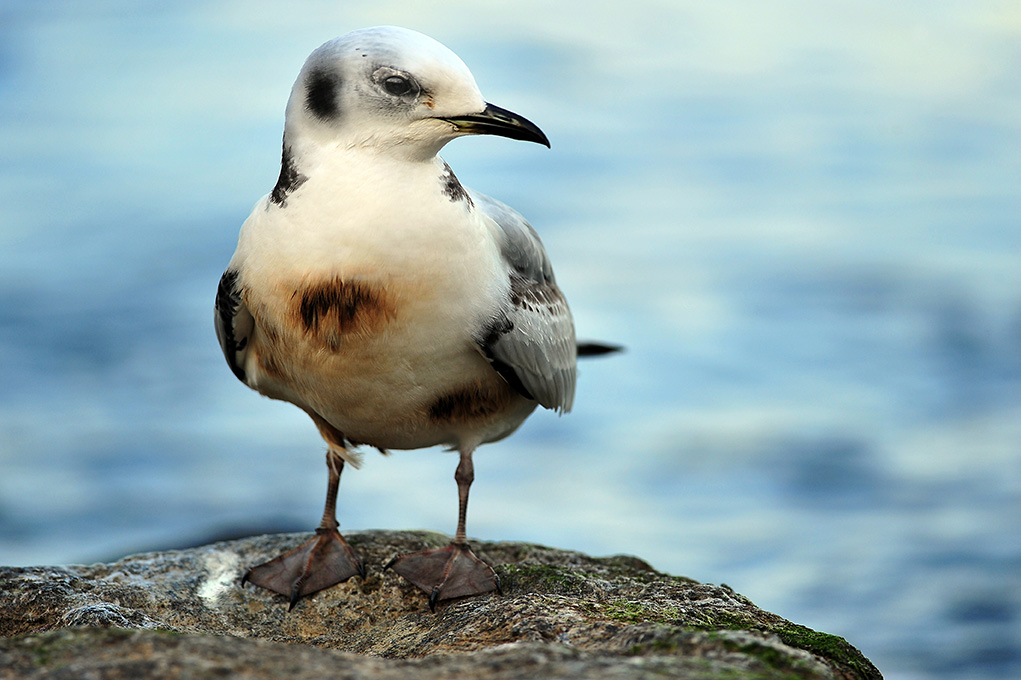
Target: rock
562,615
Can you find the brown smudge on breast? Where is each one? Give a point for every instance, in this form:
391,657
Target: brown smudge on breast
335,307
472,402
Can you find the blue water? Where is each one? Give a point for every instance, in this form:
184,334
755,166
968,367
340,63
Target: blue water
803,220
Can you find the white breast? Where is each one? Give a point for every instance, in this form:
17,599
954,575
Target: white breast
368,291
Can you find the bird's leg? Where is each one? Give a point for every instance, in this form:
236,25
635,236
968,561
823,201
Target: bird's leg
453,571
319,563
464,475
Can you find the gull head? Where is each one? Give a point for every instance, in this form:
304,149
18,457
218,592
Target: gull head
395,90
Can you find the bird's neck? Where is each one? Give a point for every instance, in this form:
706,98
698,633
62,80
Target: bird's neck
357,163
310,150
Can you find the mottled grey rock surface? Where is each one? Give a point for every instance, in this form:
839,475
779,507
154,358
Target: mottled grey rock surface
562,615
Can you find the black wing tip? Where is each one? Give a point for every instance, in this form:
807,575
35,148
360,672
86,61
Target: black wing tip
597,349
225,308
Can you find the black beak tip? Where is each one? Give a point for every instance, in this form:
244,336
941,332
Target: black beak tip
494,120
516,126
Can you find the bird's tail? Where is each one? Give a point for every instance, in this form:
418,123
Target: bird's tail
597,349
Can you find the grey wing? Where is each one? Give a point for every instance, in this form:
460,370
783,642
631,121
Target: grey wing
531,340
234,323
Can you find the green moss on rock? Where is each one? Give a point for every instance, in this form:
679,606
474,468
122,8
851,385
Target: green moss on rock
542,578
828,646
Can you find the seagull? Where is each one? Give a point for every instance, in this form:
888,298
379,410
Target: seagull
396,307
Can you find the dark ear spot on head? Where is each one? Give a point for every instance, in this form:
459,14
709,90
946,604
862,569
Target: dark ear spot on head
321,89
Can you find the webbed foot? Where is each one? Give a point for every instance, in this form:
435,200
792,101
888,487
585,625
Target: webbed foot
319,563
446,573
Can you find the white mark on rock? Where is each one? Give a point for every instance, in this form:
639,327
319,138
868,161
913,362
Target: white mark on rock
222,571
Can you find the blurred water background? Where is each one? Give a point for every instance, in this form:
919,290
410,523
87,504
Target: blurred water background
801,218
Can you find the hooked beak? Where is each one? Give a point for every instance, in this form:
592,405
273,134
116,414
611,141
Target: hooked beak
496,121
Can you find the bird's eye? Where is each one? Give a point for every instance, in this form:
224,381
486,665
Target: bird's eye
398,86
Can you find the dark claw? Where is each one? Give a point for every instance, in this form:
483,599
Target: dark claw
295,596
